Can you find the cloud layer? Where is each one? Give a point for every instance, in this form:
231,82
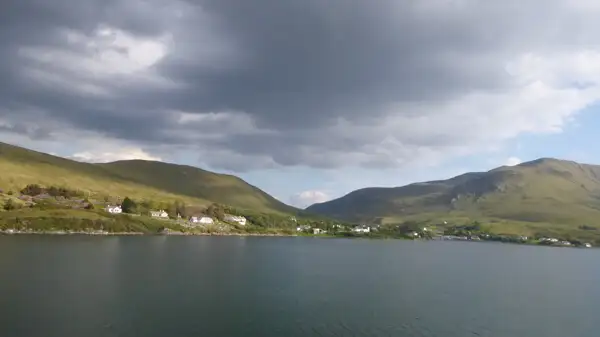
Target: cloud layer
307,198
512,161
263,83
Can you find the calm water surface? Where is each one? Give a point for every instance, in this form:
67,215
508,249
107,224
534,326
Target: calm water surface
231,286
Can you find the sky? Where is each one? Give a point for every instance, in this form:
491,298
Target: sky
307,100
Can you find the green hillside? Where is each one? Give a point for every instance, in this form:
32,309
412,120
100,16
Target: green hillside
194,182
537,193
134,178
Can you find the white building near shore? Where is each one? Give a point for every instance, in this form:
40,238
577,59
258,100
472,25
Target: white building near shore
362,229
205,220
159,214
235,218
113,209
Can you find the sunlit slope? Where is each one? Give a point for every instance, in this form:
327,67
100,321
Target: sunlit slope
133,178
544,190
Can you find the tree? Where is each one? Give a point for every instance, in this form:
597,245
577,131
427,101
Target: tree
128,205
180,209
9,205
215,211
32,190
172,211
54,191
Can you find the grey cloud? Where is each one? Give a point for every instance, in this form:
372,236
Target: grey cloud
288,73
311,61
33,132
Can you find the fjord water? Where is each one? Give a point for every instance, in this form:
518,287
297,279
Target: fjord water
236,286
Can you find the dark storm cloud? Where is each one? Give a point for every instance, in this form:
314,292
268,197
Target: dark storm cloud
272,78
310,61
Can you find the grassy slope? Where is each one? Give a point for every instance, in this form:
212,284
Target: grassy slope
545,194
137,179
80,220
193,182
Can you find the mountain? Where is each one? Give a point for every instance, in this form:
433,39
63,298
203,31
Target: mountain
133,178
541,191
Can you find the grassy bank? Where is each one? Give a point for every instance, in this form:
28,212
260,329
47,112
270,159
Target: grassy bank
79,220
54,220
587,232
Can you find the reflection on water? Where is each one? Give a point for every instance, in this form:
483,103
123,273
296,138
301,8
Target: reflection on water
237,286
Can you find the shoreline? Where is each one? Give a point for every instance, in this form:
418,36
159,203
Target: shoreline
17,232
224,234
104,233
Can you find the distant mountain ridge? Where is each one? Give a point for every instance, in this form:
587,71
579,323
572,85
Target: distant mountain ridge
133,178
543,190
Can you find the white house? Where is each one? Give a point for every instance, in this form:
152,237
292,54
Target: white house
303,228
206,220
159,214
235,218
113,209
317,231
362,229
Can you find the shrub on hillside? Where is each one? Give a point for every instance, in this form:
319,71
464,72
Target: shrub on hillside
32,190
128,205
10,205
215,211
63,192
35,190
587,228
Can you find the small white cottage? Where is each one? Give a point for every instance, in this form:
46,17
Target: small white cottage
235,218
159,214
113,209
203,219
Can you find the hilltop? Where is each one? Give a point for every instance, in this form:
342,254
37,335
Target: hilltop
544,192
134,178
